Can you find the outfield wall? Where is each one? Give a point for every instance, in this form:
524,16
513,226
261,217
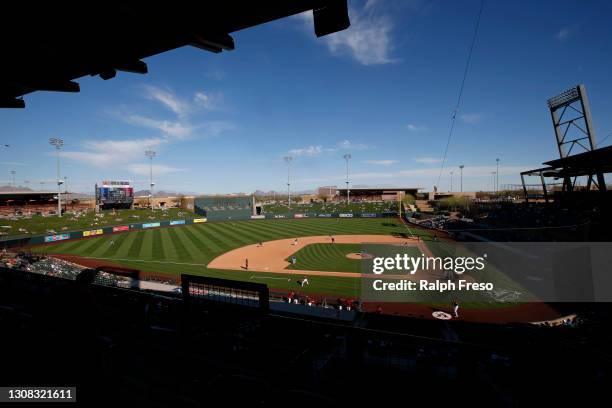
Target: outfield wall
49,238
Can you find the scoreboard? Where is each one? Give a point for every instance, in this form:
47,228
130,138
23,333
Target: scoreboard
114,194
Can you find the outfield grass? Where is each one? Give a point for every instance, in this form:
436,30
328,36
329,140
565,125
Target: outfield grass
188,249
39,225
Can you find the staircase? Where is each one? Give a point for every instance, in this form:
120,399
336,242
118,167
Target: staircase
423,206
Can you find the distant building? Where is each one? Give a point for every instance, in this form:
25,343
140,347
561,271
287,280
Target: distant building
378,194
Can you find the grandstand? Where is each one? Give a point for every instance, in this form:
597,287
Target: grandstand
337,207
377,194
193,350
224,207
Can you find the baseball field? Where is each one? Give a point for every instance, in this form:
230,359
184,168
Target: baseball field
190,249
327,251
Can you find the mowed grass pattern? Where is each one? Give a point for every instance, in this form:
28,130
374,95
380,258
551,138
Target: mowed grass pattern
327,257
188,249
333,257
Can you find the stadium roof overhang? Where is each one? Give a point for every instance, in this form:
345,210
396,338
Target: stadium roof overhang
591,163
26,196
582,164
46,46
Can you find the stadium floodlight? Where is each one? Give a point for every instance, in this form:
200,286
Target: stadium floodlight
461,176
347,157
497,176
58,143
288,159
150,154
494,173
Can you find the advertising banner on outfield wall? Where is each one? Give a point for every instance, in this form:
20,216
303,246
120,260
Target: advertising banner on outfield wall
324,215
177,222
59,237
258,217
91,233
345,215
199,220
121,228
368,215
299,216
151,225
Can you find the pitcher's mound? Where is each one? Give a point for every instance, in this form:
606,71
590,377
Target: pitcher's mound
359,255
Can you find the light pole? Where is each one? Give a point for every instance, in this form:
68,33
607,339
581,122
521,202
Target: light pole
13,174
66,191
58,143
494,178
451,173
288,159
461,176
497,177
150,154
347,157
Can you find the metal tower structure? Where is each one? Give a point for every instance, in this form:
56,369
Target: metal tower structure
571,117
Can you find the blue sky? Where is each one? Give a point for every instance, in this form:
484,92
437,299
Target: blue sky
383,91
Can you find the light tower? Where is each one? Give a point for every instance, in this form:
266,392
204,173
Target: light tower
347,157
497,176
494,173
288,159
461,176
451,174
58,143
150,154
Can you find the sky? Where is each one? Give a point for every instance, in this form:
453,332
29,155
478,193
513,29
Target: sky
383,90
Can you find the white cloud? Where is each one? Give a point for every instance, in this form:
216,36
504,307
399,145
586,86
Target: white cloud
564,34
415,128
169,128
107,153
471,118
143,169
317,150
128,147
368,40
207,100
168,99
427,160
349,145
307,151
128,154
382,162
